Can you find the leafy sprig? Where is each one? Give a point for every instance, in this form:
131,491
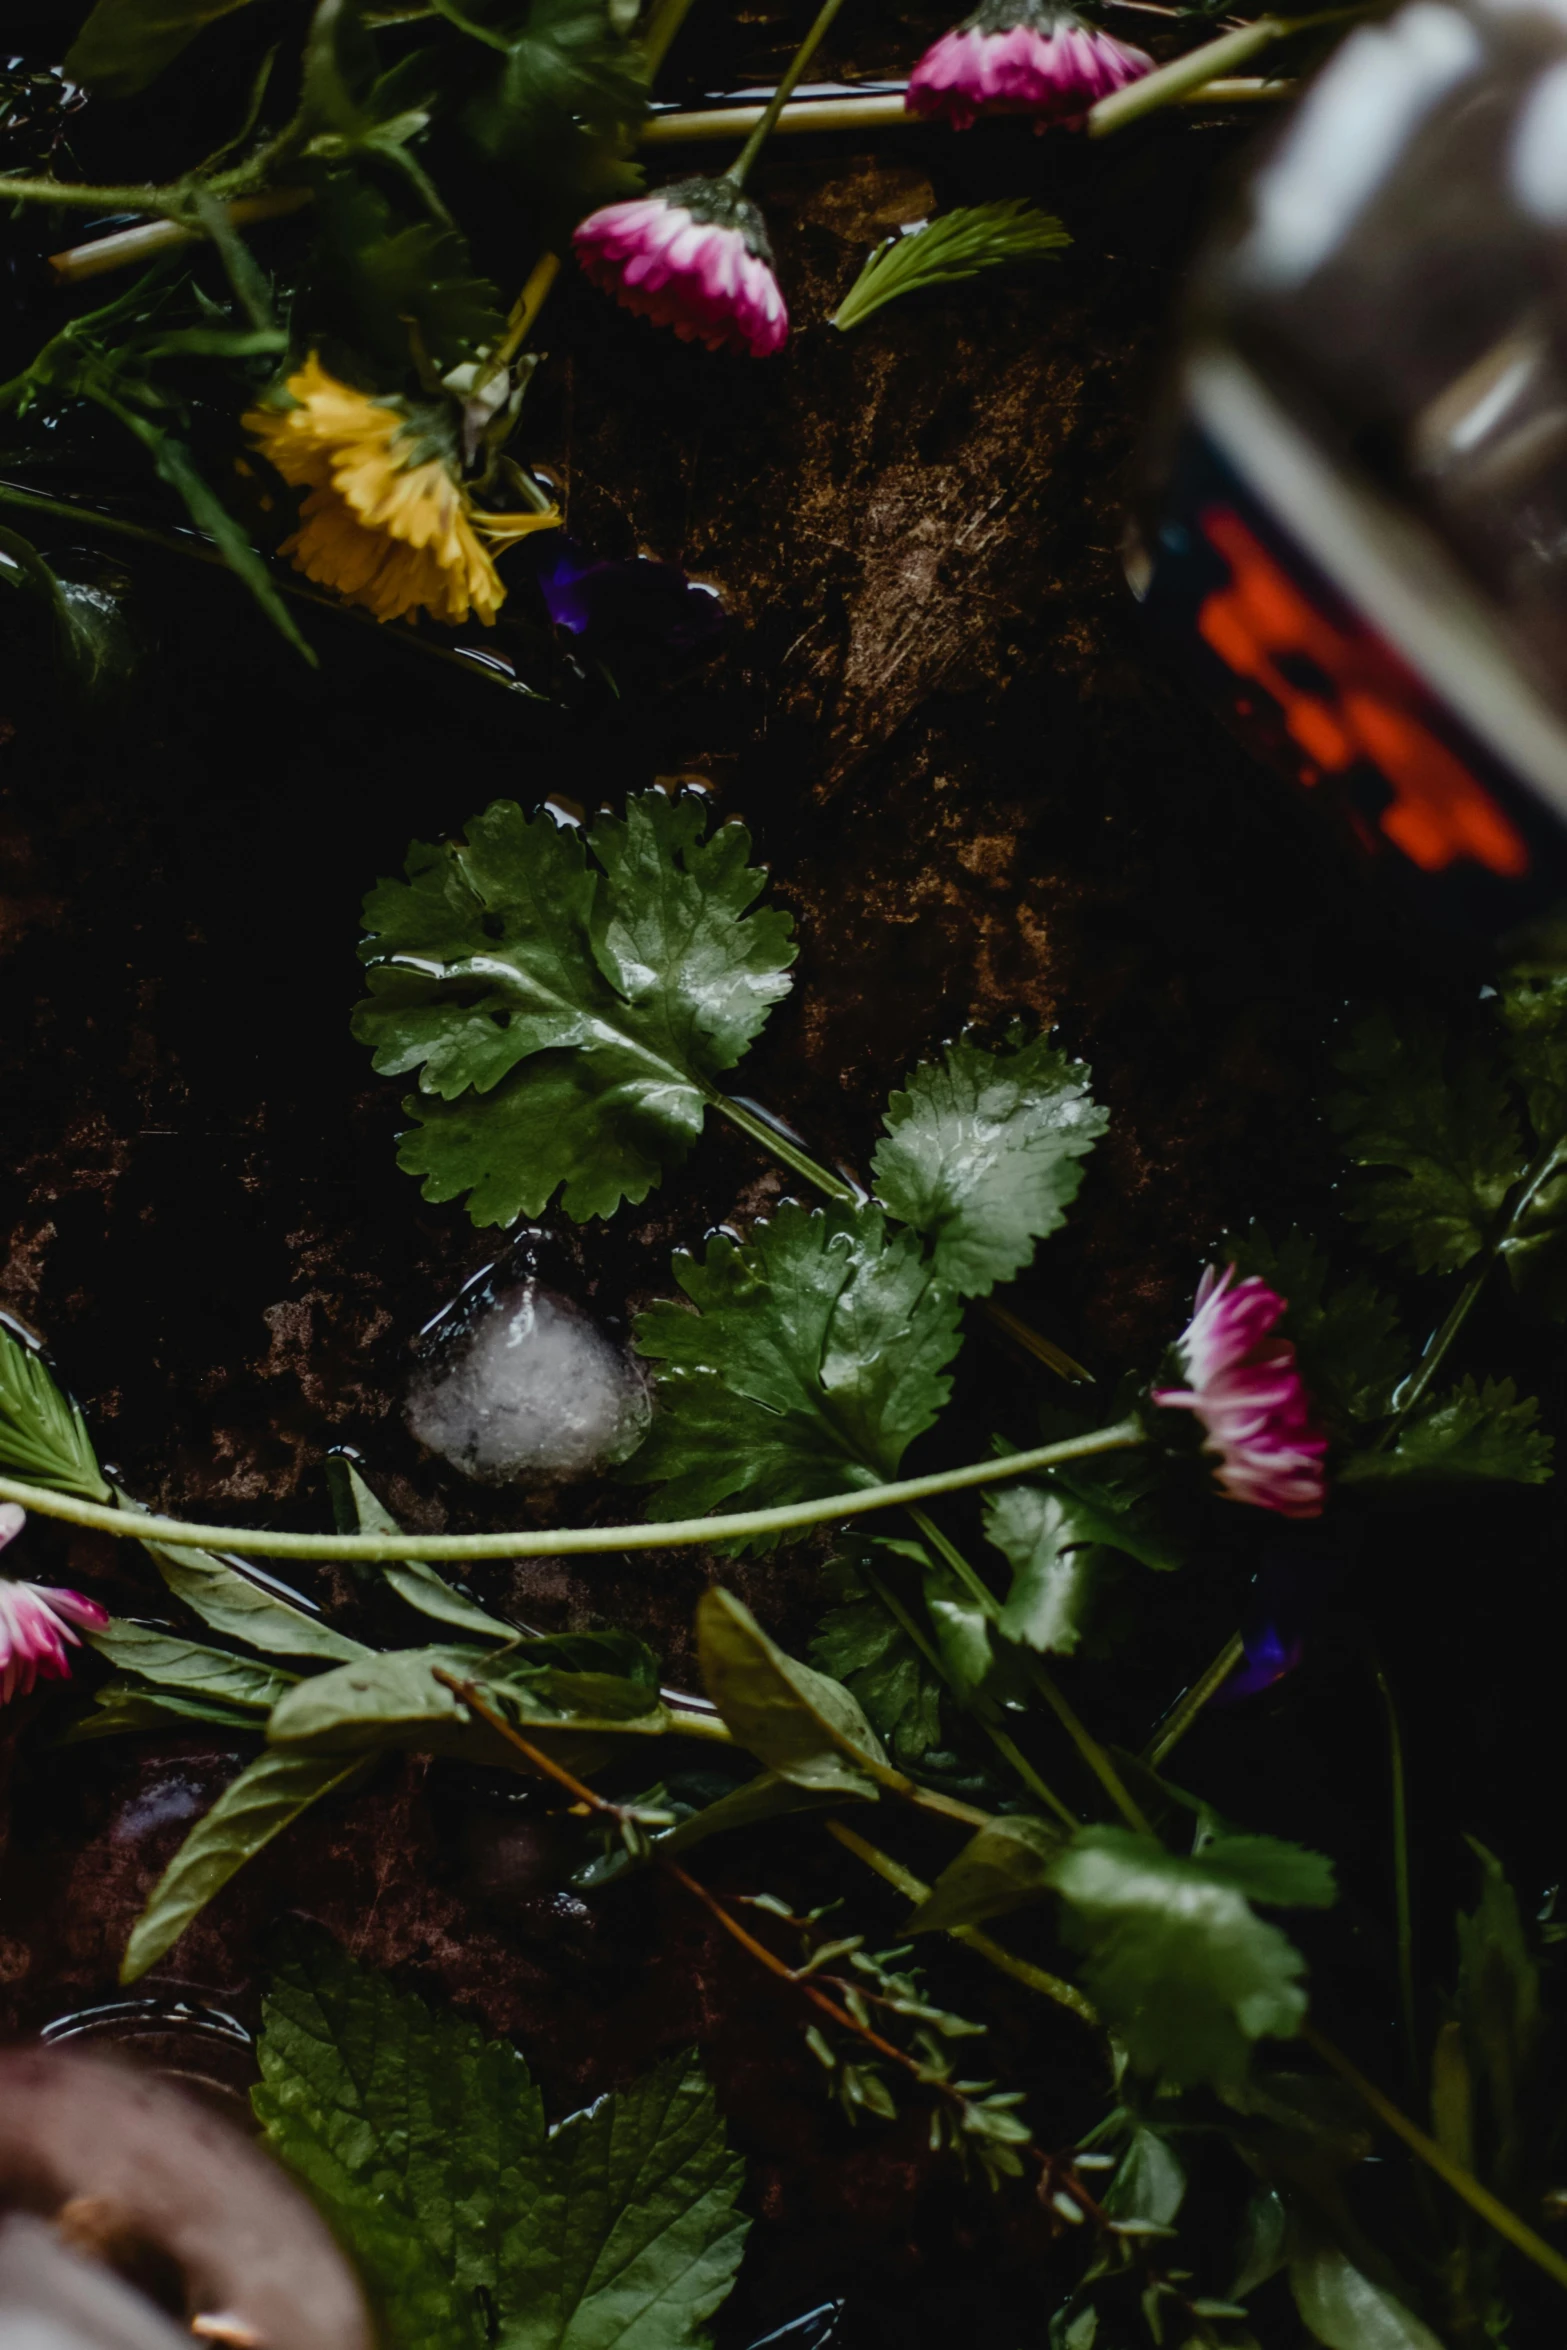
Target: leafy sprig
944,251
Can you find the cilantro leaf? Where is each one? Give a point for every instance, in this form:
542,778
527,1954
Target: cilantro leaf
565,100
816,1355
1051,1539
568,1003
1351,1349
983,1154
372,277
43,1436
958,245
426,2146
1479,1432
1430,1116
1178,1964
865,1648
1532,1007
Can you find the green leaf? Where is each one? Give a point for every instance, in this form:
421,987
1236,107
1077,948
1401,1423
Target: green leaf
1346,2311
565,102
124,1707
861,1645
1533,1011
1007,1863
798,1723
267,1797
243,1610
125,44
568,1011
759,1800
425,2145
983,1154
187,1667
359,1511
375,277
816,1355
395,1699
958,245
43,1436
1049,1538
1430,1117
1478,1433
1266,1869
1151,2181
1178,1964
1499,2010
91,643
1351,1349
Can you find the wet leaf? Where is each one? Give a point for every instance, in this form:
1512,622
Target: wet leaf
426,2146
189,1668
374,277
983,1154
242,1610
942,253
1005,1864
564,103
1151,2181
43,1437
1351,1349
804,1727
1049,1539
395,1699
122,1708
1179,1965
568,1003
1346,2311
91,641
868,1650
125,44
1477,1433
267,1797
1260,2250
815,1357
360,1512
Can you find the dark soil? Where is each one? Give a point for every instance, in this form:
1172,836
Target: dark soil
981,799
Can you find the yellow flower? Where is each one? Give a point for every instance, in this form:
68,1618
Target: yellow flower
387,522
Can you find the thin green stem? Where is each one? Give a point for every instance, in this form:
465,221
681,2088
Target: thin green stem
1399,1800
1463,2183
969,1576
779,1146
1055,1358
913,1888
664,23
563,1541
1215,60
1180,1718
89,199
739,170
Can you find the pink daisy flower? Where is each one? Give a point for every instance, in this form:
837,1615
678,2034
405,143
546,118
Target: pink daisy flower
1248,1394
695,256
35,1623
1021,57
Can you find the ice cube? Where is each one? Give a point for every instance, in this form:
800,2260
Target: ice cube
525,1387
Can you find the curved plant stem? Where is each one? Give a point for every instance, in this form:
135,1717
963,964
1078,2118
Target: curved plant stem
1022,1970
1399,1800
561,1541
1181,1716
1184,76
1463,2183
740,168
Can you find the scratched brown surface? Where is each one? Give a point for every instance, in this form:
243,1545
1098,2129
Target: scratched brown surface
980,798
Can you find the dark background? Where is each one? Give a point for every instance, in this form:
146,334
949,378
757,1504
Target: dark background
981,798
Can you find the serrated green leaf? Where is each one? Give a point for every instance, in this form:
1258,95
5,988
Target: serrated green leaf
983,1154
942,252
564,103
1006,1863
571,1002
1499,2010
1178,1964
190,1669
43,1436
801,1725
126,1707
1049,1539
1532,1008
267,1797
1151,2181
861,1645
425,2145
815,1357
1478,1433
1348,1341
1267,1869
243,1610
375,277
1428,1116
125,44
1345,2311
962,1629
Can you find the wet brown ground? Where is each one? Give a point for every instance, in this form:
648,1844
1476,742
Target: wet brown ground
981,799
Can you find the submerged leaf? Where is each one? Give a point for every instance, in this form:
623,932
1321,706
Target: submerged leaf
567,1011
1478,1433
1178,1963
983,1154
426,2146
804,1727
817,1354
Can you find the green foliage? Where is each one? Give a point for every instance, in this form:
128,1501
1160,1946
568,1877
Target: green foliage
358,1511
1178,1963
395,1699
242,1610
125,44
1532,1008
1480,1432
426,2146
1344,2310
958,245
122,1706
816,1355
190,1669
43,1437
1499,2014
802,1726
1008,1862
860,1644
568,1001
388,289
983,1155
1430,1117
1050,1539
86,630
565,101
267,1797
1150,2180
1351,1349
